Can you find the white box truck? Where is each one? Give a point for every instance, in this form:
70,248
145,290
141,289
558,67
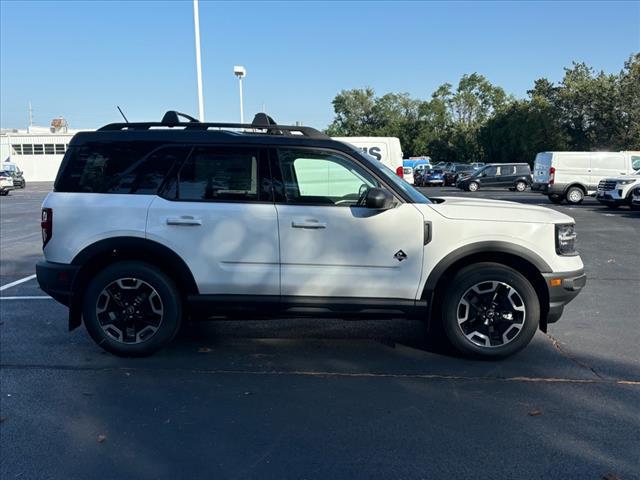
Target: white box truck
573,175
385,149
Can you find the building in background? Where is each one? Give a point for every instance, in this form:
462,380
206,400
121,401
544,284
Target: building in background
38,151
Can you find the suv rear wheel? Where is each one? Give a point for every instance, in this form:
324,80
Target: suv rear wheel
490,311
521,186
132,309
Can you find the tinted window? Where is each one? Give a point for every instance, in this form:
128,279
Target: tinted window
111,168
323,178
523,170
490,171
219,174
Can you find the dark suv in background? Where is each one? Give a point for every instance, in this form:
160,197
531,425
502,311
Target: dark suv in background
514,176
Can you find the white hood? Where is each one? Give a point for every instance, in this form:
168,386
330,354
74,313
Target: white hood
460,208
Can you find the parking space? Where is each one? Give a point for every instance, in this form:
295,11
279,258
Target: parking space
324,398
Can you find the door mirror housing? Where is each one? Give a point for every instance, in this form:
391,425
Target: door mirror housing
379,199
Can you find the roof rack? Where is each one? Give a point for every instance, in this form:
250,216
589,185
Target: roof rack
261,121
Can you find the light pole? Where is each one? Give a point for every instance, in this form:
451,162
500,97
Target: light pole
196,21
240,72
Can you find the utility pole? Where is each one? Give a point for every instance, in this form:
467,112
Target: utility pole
196,21
30,115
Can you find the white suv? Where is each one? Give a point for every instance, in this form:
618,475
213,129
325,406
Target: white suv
615,192
150,222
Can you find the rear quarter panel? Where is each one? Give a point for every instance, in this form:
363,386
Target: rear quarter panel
81,219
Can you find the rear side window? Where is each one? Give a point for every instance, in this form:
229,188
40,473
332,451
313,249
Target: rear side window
221,174
122,167
523,170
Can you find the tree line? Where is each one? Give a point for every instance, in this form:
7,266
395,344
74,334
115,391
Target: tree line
479,121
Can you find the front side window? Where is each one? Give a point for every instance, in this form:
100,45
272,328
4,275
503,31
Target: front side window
316,177
220,174
490,172
635,162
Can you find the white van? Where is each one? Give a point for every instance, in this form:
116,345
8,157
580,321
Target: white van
385,149
572,175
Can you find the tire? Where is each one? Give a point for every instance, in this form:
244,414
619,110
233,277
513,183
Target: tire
516,298
161,308
555,198
4,193
575,196
521,186
612,206
473,187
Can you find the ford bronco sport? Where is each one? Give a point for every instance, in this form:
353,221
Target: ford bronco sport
151,222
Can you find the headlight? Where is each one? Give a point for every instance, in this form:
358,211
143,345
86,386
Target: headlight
566,239
624,182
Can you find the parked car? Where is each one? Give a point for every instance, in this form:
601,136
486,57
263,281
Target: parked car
6,183
206,219
459,169
15,172
432,177
407,171
418,172
615,192
574,175
477,165
514,176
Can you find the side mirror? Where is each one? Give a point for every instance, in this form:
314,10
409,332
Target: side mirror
379,199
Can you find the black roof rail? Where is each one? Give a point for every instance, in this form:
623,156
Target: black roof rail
261,121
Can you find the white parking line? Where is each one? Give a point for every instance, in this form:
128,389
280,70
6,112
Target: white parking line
32,297
17,282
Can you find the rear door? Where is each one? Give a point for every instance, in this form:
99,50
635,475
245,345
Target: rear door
332,247
216,212
541,167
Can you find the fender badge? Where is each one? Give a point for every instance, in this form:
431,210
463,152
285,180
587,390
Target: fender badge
400,255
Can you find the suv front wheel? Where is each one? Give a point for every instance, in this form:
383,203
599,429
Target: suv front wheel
490,311
132,309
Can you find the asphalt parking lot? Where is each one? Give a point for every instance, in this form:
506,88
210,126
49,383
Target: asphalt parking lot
324,398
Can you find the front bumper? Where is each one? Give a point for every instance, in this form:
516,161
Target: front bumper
56,279
563,287
610,197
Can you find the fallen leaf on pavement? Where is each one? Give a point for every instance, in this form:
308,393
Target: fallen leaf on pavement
535,412
204,350
610,476
2,419
101,438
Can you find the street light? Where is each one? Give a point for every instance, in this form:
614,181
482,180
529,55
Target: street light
240,72
196,22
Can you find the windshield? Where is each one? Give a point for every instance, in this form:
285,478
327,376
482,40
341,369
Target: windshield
390,176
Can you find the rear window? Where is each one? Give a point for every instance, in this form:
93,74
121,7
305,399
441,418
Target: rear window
122,167
220,174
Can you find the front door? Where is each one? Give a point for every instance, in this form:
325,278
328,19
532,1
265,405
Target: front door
330,245
217,213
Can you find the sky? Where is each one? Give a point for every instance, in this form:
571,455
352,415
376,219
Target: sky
79,59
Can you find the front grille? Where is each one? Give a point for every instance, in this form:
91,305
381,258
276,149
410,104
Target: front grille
606,185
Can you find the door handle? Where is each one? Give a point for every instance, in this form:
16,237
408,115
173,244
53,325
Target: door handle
310,224
184,221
